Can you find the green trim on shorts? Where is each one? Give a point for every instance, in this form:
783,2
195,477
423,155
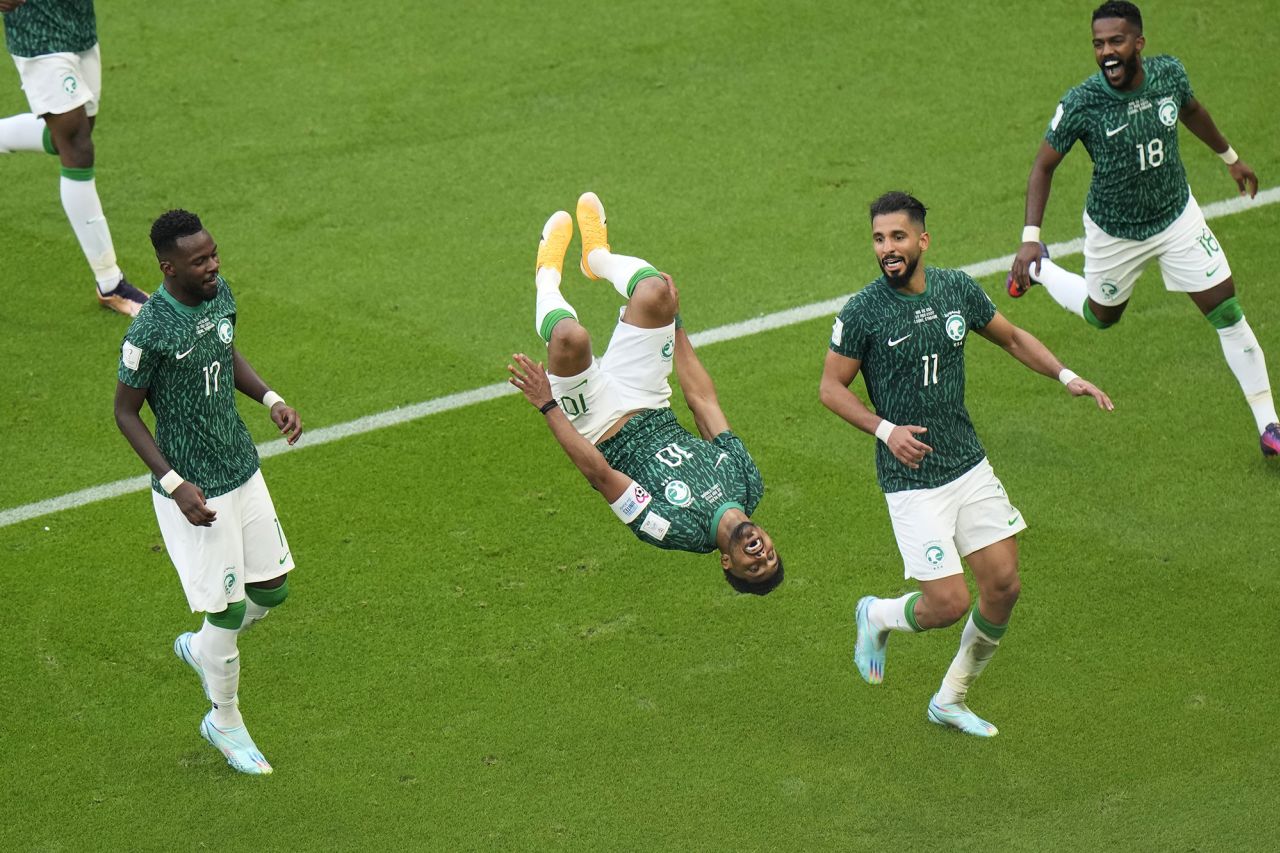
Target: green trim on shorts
1092,319
549,322
231,618
995,632
641,275
73,173
264,597
1226,314
910,610
46,139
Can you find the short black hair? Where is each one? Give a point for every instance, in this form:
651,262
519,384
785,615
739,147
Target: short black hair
899,202
1120,9
762,588
172,226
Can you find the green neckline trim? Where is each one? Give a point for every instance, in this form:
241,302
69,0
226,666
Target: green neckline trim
719,514
173,300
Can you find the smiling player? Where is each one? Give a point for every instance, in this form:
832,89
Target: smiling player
1139,205
905,333
612,416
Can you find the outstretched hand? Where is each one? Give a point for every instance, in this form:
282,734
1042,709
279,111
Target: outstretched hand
286,419
1028,256
531,379
1244,177
1083,387
905,447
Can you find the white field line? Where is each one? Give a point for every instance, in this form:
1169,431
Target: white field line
393,417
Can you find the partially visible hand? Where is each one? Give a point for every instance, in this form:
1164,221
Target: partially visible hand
674,290
286,418
531,379
906,448
10,5
1028,256
1084,388
190,499
1244,177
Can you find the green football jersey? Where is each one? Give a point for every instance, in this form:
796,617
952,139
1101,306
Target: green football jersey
912,351
1139,186
691,483
182,355
38,27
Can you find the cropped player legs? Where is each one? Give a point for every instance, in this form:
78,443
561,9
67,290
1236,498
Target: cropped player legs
995,569
72,137
1241,349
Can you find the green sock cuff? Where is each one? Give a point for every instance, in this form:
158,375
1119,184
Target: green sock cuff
1092,318
73,174
995,632
46,139
1227,313
641,275
268,597
910,610
231,618
549,322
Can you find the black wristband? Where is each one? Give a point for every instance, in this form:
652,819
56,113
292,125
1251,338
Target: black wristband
547,406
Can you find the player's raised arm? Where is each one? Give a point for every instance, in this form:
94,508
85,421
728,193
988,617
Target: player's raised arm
1039,183
530,377
1197,119
698,389
1028,349
838,373
189,496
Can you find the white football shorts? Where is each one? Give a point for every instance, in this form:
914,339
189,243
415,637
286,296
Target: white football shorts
633,374
936,527
1190,258
59,82
245,544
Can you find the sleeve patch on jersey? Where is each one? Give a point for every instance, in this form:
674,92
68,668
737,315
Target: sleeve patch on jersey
130,356
1057,117
837,332
655,525
631,504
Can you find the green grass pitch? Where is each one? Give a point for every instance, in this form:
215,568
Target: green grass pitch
476,655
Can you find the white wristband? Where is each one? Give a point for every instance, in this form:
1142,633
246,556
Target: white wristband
1229,156
171,481
886,427
1031,233
270,398
1067,375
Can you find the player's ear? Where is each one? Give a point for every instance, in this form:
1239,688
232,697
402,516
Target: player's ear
724,561
924,240
1139,43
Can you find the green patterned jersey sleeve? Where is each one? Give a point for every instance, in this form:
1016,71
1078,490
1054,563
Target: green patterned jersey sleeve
1181,82
849,332
978,305
1066,126
140,356
752,482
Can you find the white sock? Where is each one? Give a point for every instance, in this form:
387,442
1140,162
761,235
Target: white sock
1066,288
1244,357
23,132
216,650
890,614
253,614
617,269
549,301
80,201
976,649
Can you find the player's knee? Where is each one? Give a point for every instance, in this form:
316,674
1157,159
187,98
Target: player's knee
656,295
949,607
1097,322
1004,591
231,618
268,596
569,334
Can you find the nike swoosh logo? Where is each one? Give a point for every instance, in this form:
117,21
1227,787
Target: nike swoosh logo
580,384
1012,522
1111,133
894,343
1211,272
723,456
287,553
183,355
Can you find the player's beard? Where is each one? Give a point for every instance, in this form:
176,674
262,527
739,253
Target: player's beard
904,278
1130,66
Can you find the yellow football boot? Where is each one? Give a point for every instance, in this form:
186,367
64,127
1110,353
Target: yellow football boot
591,225
556,235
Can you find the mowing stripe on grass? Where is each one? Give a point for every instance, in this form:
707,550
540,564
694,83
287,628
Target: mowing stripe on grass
730,332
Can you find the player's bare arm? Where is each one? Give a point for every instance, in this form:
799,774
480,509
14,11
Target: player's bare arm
838,373
189,497
698,389
249,383
1028,349
10,5
1039,182
1197,120
531,378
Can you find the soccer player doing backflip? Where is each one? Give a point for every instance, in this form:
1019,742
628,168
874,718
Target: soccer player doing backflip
1139,206
612,415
